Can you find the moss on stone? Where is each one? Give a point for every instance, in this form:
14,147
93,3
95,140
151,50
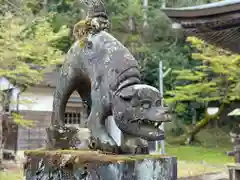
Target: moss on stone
81,157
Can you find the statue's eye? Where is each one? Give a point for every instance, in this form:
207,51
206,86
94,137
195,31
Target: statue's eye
158,103
127,98
135,103
146,104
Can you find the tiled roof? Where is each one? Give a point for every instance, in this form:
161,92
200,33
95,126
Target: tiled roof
49,79
217,23
205,9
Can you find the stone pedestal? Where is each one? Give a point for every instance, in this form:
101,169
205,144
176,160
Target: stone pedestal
92,165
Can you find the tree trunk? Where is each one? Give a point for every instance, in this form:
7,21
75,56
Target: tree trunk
200,125
194,117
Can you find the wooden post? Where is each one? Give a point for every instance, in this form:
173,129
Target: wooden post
234,170
236,146
1,139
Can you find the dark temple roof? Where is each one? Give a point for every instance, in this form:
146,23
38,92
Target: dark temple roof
49,79
216,23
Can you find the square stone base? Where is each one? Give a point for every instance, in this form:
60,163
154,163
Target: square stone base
96,166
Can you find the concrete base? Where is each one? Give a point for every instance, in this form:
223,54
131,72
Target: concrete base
103,167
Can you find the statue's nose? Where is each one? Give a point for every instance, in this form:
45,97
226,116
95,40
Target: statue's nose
163,110
163,113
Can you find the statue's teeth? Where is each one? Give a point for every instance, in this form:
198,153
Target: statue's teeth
159,124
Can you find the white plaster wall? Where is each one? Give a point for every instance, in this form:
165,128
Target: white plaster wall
4,84
39,99
36,99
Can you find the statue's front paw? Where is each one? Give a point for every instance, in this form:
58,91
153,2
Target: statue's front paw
134,150
134,145
141,150
105,145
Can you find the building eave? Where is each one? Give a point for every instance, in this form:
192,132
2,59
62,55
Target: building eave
216,23
210,9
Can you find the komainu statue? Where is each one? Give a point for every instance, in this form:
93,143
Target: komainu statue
107,77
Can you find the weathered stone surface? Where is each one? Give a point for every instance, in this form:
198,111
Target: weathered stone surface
107,77
94,166
62,137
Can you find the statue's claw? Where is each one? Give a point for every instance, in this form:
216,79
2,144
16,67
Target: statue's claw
135,146
134,150
98,144
141,150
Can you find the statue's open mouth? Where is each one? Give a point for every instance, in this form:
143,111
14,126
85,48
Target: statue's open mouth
147,129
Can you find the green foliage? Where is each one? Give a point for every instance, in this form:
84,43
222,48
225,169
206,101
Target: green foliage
216,78
27,40
157,41
27,46
38,35
23,122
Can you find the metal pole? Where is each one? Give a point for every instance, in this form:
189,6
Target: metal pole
145,6
45,6
164,3
162,142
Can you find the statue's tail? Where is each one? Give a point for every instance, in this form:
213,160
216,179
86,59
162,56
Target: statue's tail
96,20
95,8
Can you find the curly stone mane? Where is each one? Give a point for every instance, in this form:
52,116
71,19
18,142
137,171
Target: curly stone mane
96,21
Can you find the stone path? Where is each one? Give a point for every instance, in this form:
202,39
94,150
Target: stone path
219,172
210,176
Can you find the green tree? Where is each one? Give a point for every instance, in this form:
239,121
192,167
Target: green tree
216,78
26,48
